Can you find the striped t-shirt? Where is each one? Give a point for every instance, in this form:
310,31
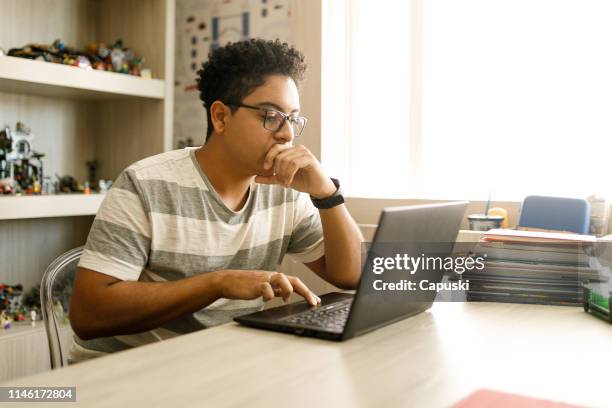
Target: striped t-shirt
162,221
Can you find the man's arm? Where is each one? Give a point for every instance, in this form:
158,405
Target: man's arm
106,306
115,302
103,305
341,264
296,167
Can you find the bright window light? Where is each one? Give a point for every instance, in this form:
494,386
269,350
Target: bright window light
516,97
366,93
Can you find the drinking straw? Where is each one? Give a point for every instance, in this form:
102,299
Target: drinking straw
486,212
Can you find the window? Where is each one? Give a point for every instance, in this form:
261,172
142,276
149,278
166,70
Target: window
366,93
515,96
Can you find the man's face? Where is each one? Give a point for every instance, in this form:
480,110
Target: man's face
245,136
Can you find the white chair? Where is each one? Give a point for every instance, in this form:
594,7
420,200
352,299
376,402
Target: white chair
55,295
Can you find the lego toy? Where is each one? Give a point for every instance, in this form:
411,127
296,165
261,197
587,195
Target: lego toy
104,185
92,168
115,58
11,307
48,186
31,302
15,306
21,168
68,184
5,321
10,298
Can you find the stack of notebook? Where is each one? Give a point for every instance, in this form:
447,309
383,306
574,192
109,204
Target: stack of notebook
534,267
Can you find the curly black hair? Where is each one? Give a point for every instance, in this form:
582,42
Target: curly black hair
234,71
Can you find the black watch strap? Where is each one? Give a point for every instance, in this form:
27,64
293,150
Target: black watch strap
332,201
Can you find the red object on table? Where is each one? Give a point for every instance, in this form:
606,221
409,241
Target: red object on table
496,399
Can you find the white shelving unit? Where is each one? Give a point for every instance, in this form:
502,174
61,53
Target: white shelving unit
59,205
23,76
76,115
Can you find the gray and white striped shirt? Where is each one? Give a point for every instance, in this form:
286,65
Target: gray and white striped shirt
162,220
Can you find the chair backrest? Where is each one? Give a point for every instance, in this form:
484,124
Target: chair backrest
55,295
556,213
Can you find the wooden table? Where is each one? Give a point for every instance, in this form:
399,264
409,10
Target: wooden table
431,360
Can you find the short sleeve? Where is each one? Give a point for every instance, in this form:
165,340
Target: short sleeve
120,237
306,243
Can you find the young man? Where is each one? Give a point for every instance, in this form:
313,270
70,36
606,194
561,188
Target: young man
191,238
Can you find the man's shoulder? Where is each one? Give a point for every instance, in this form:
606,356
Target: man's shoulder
174,167
159,160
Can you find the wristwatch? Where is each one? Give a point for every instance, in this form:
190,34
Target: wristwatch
332,201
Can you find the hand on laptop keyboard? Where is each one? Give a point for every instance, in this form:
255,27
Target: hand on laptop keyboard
331,317
248,284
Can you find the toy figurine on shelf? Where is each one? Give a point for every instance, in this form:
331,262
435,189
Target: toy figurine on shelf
21,168
92,170
116,58
68,184
15,305
6,186
38,52
5,321
57,52
11,304
31,302
93,184
48,187
104,185
19,316
6,146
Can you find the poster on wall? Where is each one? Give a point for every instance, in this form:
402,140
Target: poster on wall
202,25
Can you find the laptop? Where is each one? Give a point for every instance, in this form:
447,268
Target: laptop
420,230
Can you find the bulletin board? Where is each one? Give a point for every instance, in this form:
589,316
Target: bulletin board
201,26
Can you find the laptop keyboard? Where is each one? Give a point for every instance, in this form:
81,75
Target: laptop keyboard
330,317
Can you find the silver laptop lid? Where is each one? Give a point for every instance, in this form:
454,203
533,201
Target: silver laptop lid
420,230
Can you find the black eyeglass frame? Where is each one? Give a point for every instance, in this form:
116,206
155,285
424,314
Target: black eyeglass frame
283,115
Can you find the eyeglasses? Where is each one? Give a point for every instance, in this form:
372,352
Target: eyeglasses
275,120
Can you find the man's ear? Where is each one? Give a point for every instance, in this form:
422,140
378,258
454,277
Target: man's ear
219,114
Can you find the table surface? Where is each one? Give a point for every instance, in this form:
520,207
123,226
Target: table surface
430,360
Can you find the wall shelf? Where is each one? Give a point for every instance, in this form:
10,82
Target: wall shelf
44,206
24,76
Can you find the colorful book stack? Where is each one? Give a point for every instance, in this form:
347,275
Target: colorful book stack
534,267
